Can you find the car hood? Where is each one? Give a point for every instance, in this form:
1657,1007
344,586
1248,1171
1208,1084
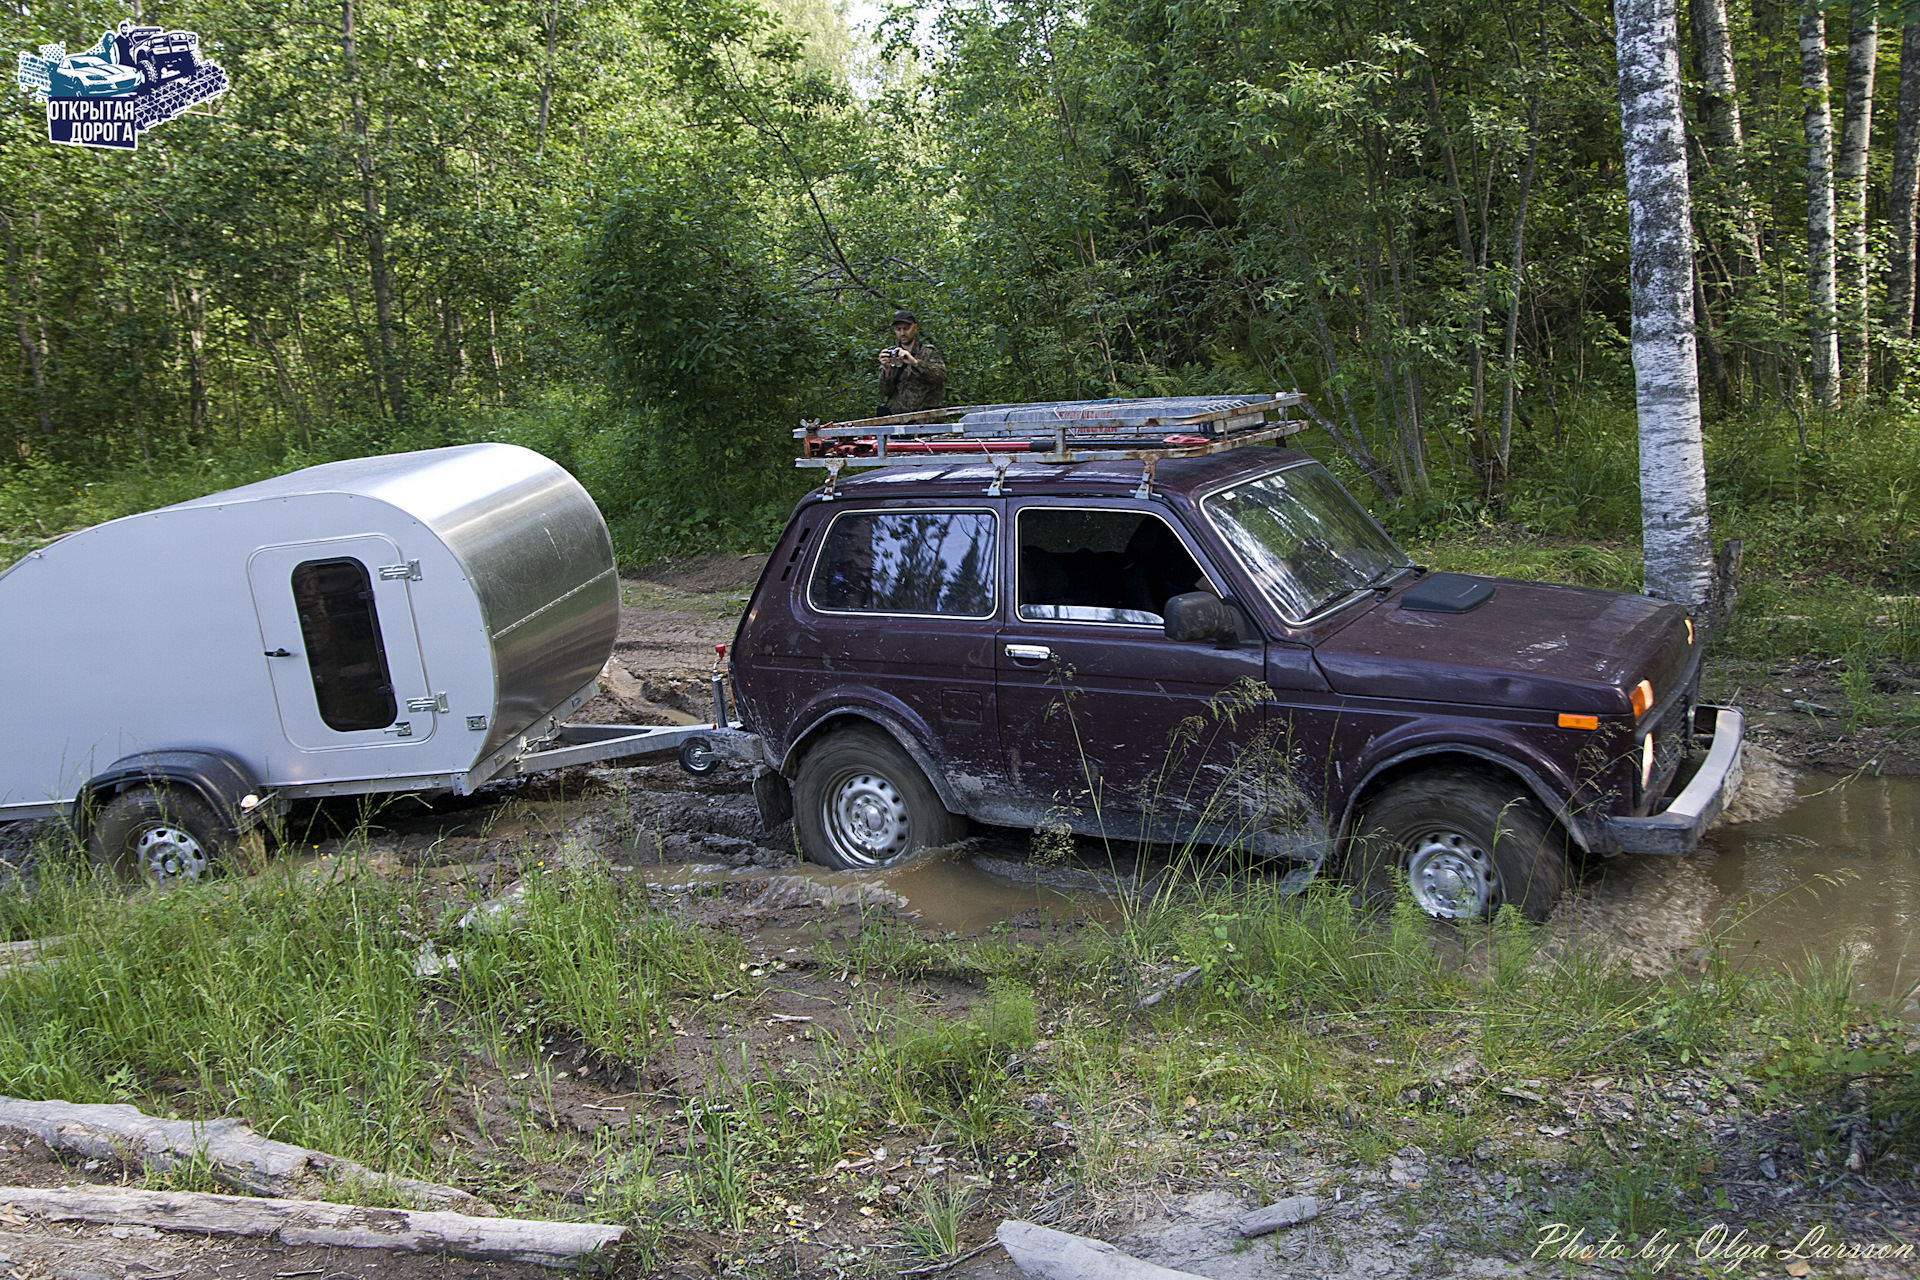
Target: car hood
1534,644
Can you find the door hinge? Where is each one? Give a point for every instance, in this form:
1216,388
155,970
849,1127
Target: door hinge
402,730
432,702
408,572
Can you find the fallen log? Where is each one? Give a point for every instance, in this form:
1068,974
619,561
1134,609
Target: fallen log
1056,1255
568,1245
237,1156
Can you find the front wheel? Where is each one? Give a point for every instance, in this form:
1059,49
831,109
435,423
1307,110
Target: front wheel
160,835
860,801
1465,844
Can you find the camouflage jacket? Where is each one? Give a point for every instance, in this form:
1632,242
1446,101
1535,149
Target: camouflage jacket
908,387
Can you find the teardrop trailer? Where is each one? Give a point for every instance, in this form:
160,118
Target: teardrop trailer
418,622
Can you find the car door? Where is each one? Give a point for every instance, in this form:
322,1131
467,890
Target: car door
338,638
897,615
1104,720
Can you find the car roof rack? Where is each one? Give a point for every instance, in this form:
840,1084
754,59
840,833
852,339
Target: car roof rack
1051,432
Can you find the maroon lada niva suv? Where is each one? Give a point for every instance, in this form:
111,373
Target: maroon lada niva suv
1241,656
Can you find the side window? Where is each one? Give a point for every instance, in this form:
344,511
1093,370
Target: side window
925,562
1101,566
345,654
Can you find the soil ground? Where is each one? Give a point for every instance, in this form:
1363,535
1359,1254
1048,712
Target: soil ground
700,843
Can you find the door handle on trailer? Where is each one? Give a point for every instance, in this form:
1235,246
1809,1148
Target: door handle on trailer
1031,652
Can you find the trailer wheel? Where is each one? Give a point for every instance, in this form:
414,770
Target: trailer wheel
159,835
860,802
1465,845
697,757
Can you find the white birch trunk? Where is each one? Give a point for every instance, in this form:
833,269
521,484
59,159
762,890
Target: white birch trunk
1903,200
1856,132
1720,121
1673,482
1819,132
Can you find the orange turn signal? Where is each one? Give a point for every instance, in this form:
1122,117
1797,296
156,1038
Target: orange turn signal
1578,722
1642,697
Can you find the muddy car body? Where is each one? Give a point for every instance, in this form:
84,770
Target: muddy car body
403,623
1135,661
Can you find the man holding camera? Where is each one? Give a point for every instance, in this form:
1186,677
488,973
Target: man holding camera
913,373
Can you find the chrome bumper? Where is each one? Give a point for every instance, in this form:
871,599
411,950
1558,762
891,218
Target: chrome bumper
1678,829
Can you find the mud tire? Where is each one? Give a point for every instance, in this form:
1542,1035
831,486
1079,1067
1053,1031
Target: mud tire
158,835
1465,843
859,801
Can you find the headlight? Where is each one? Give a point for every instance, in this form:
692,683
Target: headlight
1646,763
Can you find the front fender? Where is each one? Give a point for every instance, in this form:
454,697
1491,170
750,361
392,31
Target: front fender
1544,778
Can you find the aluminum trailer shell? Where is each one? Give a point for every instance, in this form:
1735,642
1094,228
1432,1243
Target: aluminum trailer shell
491,574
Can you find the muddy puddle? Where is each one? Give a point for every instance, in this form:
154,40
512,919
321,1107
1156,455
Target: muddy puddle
964,891
1837,874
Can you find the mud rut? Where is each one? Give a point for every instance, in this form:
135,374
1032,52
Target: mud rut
655,820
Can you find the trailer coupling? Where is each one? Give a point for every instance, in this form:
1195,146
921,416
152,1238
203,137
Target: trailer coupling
699,747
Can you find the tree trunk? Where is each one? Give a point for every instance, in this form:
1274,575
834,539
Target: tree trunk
1513,303
1856,132
1819,134
375,235
551,17
1720,125
1673,486
1472,277
1903,201
36,365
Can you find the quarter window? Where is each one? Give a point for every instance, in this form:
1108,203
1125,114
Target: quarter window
923,562
1101,566
345,653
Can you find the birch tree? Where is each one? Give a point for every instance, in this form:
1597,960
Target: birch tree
1673,480
1856,130
1904,195
1818,124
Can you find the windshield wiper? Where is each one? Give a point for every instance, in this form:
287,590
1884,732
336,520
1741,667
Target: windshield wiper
1384,579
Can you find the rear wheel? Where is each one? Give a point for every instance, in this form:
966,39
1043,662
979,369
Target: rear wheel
1465,844
159,835
860,801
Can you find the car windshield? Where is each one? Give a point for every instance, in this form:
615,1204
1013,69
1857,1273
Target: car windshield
1304,539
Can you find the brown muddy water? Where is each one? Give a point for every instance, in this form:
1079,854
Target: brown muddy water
1836,875
1828,867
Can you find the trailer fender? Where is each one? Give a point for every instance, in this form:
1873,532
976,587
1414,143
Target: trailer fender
227,785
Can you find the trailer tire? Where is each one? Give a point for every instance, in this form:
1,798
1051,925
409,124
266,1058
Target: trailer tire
158,835
861,802
697,757
1465,845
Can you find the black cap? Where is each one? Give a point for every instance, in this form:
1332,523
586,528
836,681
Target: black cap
904,317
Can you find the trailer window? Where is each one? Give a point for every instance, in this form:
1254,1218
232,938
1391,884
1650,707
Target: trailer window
344,650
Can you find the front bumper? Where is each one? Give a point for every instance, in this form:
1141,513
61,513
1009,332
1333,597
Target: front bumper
1678,829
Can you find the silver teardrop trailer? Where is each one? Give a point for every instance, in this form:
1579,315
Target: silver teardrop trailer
416,622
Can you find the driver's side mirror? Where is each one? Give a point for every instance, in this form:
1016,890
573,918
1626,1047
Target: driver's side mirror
1201,615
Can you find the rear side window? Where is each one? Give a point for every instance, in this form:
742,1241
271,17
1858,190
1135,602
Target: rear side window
344,651
920,562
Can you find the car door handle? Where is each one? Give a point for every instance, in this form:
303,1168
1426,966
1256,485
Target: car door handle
1029,652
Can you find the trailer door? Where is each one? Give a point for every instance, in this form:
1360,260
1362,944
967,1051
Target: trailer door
337,635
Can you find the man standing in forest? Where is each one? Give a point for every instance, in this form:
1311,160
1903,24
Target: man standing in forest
913,373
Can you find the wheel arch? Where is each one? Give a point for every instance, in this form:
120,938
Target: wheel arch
223,782
893,726
1476,759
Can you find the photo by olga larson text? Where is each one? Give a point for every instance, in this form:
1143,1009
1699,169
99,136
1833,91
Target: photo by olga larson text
1564,1242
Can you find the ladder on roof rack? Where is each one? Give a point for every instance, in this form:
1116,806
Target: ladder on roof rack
1051,432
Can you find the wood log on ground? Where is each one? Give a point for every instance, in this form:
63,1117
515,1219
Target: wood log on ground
314,1222
1290,1212
1056,1255
239,1157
